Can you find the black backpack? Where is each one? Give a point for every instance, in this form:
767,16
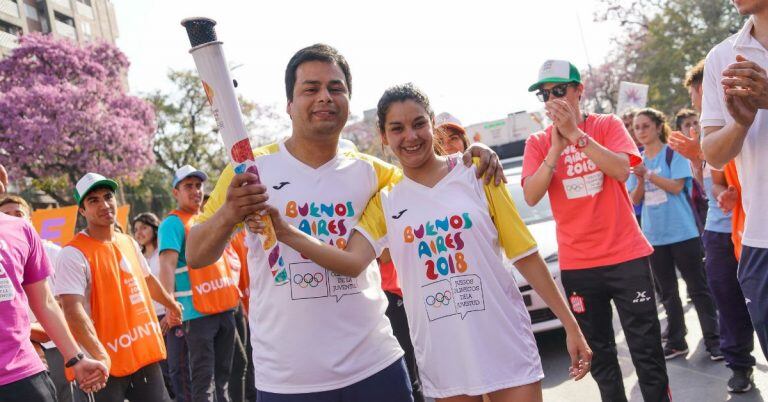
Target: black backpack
697,198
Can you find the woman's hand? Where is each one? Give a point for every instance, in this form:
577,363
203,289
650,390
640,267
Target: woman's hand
640,171
256,225
581,354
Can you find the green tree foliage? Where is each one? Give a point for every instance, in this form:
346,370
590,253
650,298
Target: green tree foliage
187,134
662,39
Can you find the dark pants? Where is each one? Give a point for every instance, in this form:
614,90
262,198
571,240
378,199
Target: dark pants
736,333
64,391
388,385
753,278
37,387
240,388
399,321
178,364
211,342
251,394
164,367
144,385
630,286
687,257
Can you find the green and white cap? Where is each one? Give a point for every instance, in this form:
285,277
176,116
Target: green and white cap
88,182
556,71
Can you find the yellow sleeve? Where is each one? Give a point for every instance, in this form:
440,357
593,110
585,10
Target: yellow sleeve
386,174
373,224
219,193
514,237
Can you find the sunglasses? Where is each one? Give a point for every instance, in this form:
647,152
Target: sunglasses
558,91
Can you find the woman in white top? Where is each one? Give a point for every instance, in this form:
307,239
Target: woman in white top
145,227
446,232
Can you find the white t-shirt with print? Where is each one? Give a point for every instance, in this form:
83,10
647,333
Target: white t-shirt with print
469,325
750,162
73,273
313,330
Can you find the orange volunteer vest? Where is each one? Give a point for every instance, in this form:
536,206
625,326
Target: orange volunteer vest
121,310
737,215
213,288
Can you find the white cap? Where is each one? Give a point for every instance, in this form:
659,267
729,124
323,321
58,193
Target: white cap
187,171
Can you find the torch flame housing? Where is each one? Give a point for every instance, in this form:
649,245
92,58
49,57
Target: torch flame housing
200,30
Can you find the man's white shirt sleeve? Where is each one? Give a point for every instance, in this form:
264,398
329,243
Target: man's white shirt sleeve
73,274
712,106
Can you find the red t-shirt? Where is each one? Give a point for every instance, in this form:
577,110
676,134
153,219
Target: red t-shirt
389,282
596,225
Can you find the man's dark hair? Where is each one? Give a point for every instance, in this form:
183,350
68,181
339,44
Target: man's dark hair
682,115
401,93
316,52
695,76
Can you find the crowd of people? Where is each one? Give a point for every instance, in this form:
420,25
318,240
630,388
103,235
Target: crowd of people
370,282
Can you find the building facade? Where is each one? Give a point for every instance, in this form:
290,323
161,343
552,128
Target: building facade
78,20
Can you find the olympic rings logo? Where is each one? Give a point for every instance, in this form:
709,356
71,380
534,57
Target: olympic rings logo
308,279
439,298
574,187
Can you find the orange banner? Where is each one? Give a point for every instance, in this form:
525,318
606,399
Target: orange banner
58,224
122,217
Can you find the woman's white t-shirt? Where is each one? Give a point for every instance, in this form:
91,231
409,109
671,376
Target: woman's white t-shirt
154,267
469,325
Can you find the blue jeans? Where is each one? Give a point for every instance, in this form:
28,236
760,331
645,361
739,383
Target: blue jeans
389,385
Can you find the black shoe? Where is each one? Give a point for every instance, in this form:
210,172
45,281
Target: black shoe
715,354
741,381
671,353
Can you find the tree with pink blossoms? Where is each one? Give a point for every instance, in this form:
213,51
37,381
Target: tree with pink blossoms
64,112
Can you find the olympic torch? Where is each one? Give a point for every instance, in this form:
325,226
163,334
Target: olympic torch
219,88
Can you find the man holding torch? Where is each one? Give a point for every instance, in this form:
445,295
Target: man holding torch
316,336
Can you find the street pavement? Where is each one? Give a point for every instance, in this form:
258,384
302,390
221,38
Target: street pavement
694,378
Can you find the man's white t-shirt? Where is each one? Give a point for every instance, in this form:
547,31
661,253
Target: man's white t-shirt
73,273
313,330
470,328
750,162
52,252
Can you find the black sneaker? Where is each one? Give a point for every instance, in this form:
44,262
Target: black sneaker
671,353
715,354
741,381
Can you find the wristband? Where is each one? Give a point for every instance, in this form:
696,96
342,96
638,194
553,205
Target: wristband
71,362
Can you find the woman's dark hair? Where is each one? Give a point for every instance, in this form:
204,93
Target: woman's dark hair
401,93
149,219
316,52
660,119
